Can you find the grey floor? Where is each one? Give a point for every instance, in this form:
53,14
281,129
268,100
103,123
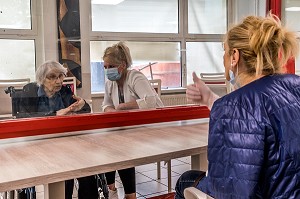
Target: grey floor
147,184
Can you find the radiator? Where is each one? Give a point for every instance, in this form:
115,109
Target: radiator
168,100
172,100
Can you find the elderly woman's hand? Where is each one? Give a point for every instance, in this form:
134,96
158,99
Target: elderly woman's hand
77,106
64,111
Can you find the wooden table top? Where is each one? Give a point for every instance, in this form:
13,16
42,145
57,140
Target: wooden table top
43,160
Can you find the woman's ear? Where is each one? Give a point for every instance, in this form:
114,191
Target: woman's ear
235,57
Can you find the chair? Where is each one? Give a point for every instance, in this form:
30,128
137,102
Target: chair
217,82
194,193
72,82
5,99
156,84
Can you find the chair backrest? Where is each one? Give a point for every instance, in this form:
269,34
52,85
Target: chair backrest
156,84
7,88
72,82
217,82
212,75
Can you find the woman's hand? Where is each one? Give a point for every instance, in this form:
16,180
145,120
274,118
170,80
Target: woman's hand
110,109
128,106
121,106
77,106
200,93
64,111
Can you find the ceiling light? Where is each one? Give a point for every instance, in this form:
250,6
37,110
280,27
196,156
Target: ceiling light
107,2
292,9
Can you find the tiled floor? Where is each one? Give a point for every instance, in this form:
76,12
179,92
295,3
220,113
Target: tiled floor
147,184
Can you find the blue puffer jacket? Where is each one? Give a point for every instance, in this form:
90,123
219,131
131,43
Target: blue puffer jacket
254,141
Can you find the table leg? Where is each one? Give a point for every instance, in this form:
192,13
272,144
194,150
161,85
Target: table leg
169,176
199,162
54,190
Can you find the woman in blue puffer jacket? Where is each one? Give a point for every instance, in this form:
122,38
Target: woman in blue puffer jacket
254,132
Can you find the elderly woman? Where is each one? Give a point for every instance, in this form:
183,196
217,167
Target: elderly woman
253,143
49,97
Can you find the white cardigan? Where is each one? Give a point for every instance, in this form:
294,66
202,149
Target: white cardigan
136,87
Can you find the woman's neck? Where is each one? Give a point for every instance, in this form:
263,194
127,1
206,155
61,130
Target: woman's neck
244,79
121,81
48,92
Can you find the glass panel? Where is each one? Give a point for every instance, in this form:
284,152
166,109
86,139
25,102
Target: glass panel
15,14
207,16
157,60
292,14
204,57
151,16
17,59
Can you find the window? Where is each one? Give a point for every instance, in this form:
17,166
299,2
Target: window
17,59
168,39
207,17
157,60
148,16
17,43
291,16
15,14
204,57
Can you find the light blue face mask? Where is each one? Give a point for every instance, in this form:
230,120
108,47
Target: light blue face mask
112,74
232,80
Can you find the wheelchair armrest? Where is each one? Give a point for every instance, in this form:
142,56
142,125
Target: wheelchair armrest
194,193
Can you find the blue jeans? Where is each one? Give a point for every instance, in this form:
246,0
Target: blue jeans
187,179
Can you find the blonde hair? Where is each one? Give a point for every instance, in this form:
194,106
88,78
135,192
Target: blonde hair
117,54
44,70
264,44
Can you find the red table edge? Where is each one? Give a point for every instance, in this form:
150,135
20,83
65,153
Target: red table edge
59,124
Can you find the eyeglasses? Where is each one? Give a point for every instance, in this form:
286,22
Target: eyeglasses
110,66
54,77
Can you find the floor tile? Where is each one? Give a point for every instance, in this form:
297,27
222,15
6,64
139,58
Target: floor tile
173,181
164,173
151,187
146,167
156,194
180,169
186,160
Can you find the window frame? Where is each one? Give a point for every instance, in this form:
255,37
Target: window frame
182,37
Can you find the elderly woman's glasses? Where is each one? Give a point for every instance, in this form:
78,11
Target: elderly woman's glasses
54,77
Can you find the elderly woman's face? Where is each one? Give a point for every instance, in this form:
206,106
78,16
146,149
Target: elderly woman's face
54,81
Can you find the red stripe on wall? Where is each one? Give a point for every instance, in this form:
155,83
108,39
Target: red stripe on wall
275,7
